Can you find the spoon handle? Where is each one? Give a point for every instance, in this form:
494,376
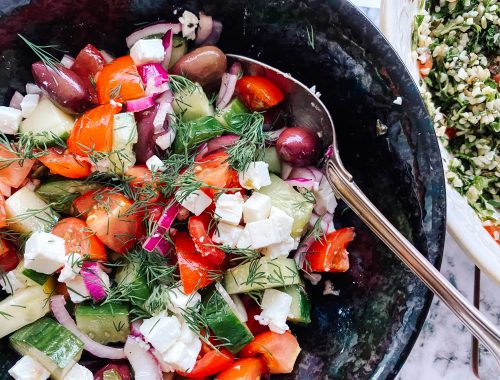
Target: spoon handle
477,323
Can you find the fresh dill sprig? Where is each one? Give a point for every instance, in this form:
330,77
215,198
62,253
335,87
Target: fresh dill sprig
317,230
25,149
310,36
239,255
114,92
41,51
179,83
156,268
256,276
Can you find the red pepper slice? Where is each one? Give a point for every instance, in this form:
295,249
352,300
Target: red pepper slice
198,229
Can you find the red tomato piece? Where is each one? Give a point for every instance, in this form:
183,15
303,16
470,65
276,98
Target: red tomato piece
279,351
258,93
496,78
210,363
244,369
85,202
195,270
119,80
213,170
8,256
13,172
87,64
494,231
114,223
93,131
425,67
198,227
79,238
67,165
329,254
252,308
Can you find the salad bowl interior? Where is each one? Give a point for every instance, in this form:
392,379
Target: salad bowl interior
368,326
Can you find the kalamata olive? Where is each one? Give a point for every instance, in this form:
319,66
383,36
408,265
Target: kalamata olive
146,145
63,86
204,65
299,146
274,118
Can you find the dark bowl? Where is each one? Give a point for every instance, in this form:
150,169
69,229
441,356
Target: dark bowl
368,329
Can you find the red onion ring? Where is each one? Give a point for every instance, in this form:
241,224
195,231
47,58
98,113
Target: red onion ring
144,364
168,44
141,104
214,36
228,85
158,28
304,247
91,273
16,100
205,27
306,183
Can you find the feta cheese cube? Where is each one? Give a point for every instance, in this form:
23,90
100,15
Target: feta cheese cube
256,176
283,221
10,120
263,233
189,22
44,252
161,331
147,51
196,202
79,372
275,309
280,249
29,103
325,198
182,356
10,282
28,368
245,241
77,289
257,207
166,140
71,267
180,301
229,208
32,88
154,163
227,234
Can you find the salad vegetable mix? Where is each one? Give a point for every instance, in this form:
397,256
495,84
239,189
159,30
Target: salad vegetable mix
457,44
160,212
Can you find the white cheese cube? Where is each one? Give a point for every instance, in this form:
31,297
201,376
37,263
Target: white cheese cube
77,289
197,202
245,241
155,164
229,208
28,104
79,372
227,234
71,267
10,283
187,335
44,252
279,249
180,301
283,221
10,120
275,309
32,88
263,233
325,198
147,51
182,356
256,176
28,368
256,208
166,140
161,331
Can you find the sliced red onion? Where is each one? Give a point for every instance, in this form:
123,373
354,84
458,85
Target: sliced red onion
95,279
156,241
168,45
286,169
221,142
163,247
201,152
144,364
16,100
152,242
304,247
168,216
306,183
141,104
32,88
159,28
107,57
67,61
329,151
135,329
326,219
145,146
165,139
155,78
57,305
214,36
204,28
314,278
165,109
309,172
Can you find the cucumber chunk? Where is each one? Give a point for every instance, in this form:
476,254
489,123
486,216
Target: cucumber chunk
286,198
138,291
272,159
27,212
124,138
300,310
31,277
51,344
62,192
107,323
195,132
224,320
234,108
191,103
47,123
263,273
179,48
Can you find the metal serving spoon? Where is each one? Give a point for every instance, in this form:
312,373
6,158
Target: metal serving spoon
310,112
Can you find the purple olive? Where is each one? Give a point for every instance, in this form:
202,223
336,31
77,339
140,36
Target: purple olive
63,86
274,118
204,65
298,146
146,145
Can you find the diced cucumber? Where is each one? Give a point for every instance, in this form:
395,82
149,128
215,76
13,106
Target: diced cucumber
191,103
224,320
300,310
194,132
47,123
235,107
62,192
107,323
263,273
124,138
136,284
179,48
286,198
51,344
22,308
27,212
31,277
272,159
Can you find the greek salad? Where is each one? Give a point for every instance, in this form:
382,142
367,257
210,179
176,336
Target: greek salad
160,214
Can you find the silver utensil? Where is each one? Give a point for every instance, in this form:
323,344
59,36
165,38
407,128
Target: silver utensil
310,112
